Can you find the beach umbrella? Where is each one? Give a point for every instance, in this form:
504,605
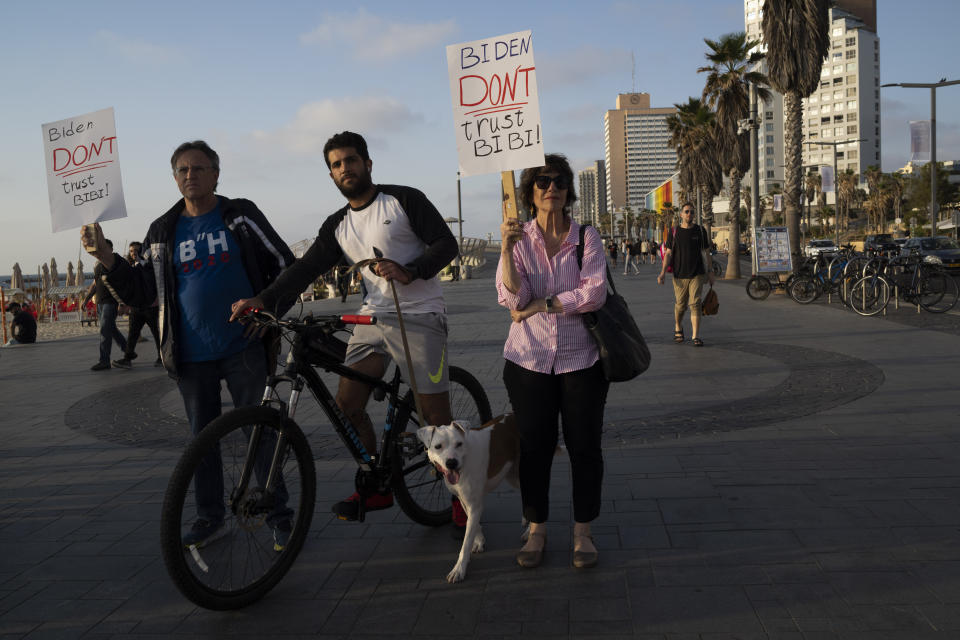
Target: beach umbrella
71,278
54,274
16,280
80,277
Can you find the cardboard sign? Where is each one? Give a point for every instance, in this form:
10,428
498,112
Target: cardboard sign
496,111
83,170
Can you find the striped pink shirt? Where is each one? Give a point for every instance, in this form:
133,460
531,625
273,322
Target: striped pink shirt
554,342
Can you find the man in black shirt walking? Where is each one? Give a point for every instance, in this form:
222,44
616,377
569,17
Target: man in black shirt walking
107,316
687,252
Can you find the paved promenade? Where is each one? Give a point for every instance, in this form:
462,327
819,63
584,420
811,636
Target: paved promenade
796,478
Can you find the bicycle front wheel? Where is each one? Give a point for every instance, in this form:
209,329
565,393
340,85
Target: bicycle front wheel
417,486
869,295
937,291
758,288
804,290
263,529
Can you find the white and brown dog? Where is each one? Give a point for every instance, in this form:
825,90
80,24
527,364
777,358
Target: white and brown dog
473,461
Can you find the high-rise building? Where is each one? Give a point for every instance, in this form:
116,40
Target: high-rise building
593,192
845,107
636,152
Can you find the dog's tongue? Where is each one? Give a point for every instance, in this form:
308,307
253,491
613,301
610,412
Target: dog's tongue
451,476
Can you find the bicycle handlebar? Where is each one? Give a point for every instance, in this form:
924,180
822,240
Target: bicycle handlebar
265,318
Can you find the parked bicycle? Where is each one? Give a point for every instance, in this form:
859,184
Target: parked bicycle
269,471
915,280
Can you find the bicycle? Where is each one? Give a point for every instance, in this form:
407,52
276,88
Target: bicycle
269,474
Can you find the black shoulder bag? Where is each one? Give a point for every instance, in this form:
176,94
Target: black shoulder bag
623,351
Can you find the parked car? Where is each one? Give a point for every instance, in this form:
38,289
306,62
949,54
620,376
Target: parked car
815,247
939,249
900,241
880,242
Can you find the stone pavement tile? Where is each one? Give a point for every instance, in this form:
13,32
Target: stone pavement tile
671,488
939,578
694,510
342,619
851,538
685,576
286,617
587,608
907,619
795,572
692,610
943,617
626,506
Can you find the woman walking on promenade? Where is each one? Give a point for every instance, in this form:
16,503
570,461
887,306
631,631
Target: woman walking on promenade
552,372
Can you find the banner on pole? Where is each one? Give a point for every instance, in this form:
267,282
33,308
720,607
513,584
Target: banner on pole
496,109
83,170
826,179
920,141
778,202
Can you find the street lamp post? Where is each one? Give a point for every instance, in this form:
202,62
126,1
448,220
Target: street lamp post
934,207
836,186
751,125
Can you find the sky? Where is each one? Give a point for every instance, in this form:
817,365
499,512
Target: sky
267,83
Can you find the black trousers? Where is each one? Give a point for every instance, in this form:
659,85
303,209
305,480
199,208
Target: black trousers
577,399
139,317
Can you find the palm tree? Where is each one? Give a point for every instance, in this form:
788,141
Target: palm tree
846,191
693,135
811,186
797,35
727,91
874,177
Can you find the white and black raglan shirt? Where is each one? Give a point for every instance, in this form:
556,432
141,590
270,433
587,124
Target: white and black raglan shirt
405,226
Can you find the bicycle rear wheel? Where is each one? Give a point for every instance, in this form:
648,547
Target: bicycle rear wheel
243,563
758,287
937,291
417,486
869,295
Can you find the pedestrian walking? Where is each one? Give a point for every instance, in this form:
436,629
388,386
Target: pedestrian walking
687,254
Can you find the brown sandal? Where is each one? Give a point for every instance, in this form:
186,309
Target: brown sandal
678,336
584,559
532,559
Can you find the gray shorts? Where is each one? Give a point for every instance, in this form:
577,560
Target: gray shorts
427,337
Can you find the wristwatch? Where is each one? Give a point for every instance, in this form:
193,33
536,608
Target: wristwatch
549,301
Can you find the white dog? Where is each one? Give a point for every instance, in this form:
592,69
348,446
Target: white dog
473,461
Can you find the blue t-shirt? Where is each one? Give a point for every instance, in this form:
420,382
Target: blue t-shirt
210,277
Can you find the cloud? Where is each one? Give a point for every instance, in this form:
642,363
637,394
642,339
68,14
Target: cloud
583,65
138,50
374,38
315,122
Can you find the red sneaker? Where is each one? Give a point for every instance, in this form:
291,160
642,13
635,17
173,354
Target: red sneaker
348,509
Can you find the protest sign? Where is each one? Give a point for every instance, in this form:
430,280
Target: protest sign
83,170
496,111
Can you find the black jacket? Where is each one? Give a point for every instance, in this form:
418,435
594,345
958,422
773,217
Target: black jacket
265,255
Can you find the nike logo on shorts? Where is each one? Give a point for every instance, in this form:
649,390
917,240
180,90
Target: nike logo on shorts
435,378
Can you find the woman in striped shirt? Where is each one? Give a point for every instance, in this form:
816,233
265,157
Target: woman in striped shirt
552,372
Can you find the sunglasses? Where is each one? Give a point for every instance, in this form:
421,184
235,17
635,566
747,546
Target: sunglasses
543,182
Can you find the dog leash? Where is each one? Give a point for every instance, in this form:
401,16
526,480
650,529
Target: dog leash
403,332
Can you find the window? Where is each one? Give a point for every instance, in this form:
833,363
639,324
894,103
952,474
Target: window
838,131
851,104
851,42
769,174
769,139
878,133
813,109
837,31
838,106
838,55
851,79
768,126
769,114
878,153
839,155
813,134
838,118
851,54
852,154
811,122
825,120
814,99
837,81
838,69
824,85
851,117
838,94
851,91
769,162
851,66
769,151
851,128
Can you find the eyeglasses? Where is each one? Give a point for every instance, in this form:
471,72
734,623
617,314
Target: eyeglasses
182,172
543,182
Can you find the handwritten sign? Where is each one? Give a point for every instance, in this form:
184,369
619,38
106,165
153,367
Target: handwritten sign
496,111
773,249
83,170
